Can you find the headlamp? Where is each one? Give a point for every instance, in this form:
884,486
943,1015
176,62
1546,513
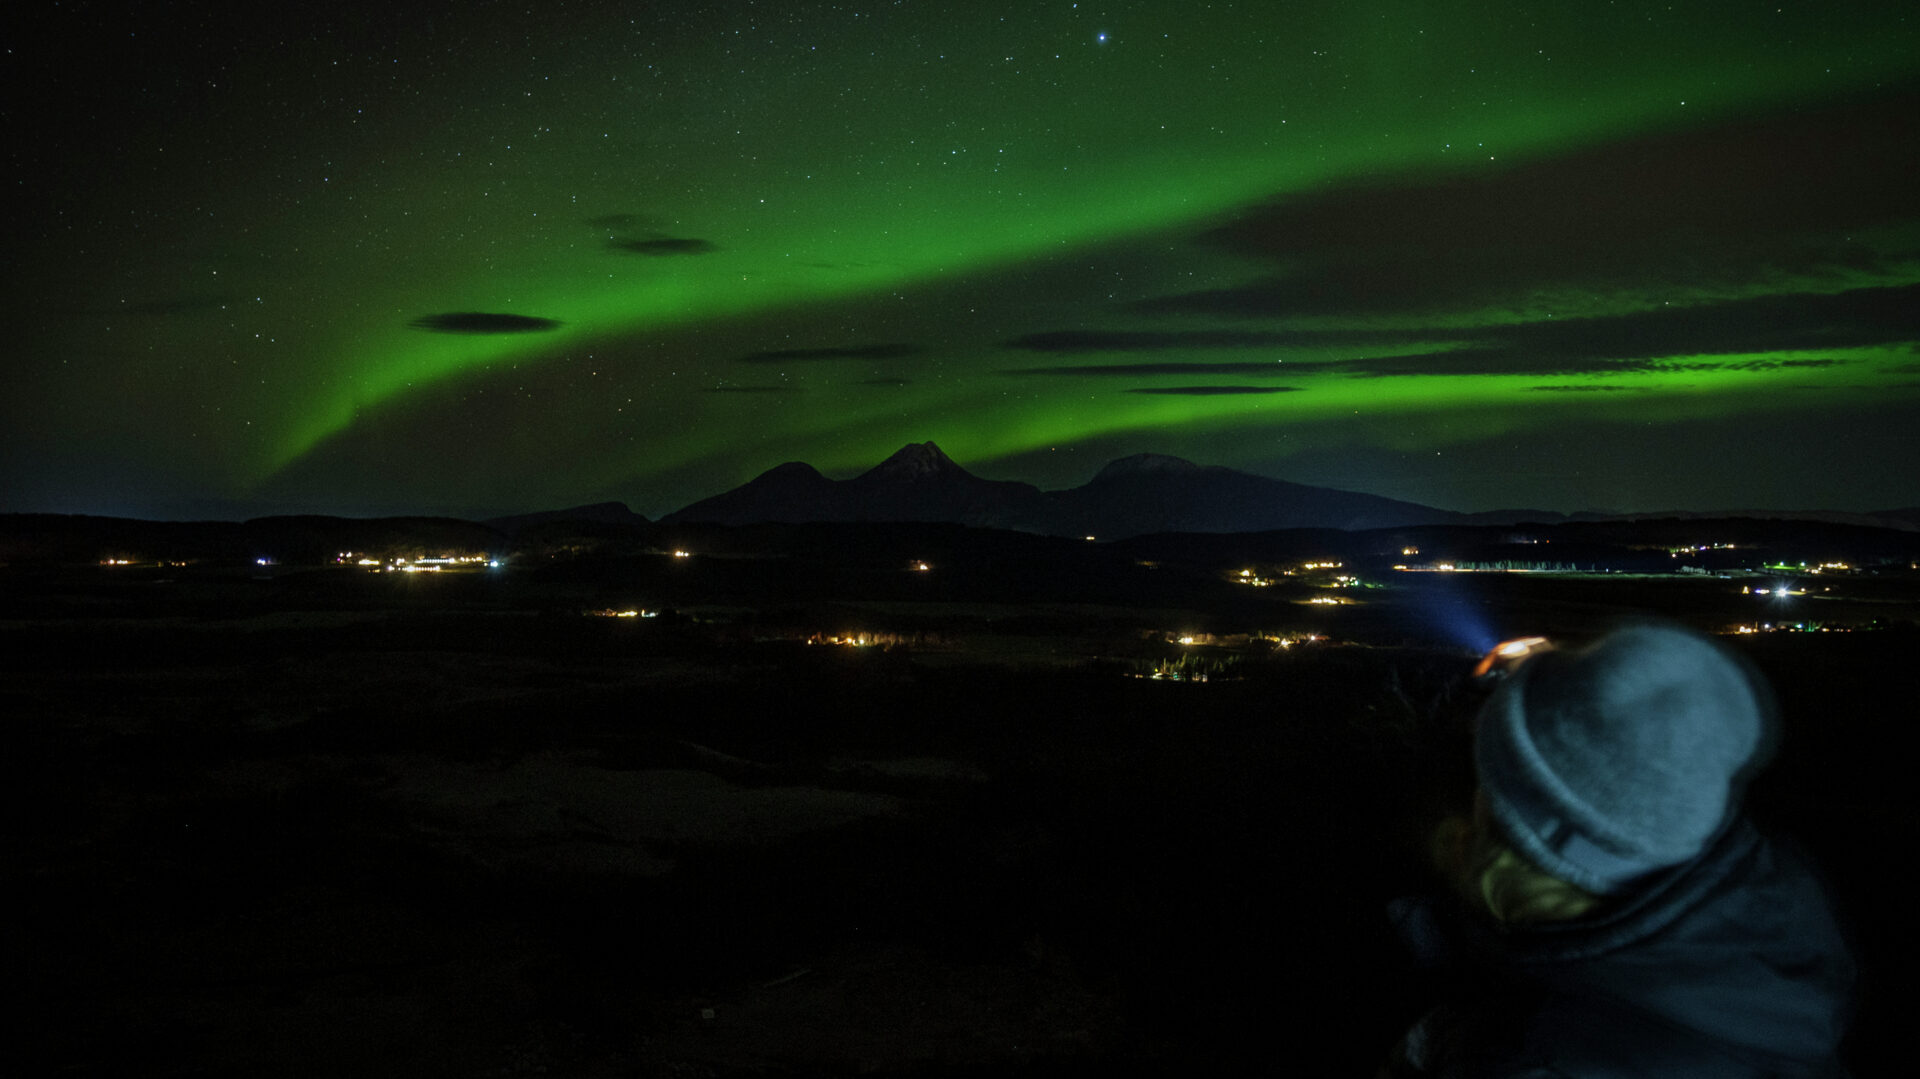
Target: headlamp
1507,657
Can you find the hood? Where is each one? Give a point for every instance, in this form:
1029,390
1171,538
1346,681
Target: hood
1739,945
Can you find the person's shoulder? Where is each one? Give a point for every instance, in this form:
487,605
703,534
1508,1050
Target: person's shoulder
1534,1032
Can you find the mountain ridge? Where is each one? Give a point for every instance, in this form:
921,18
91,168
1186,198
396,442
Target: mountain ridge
1138,494
1130,496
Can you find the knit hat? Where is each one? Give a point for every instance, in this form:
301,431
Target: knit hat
1607,764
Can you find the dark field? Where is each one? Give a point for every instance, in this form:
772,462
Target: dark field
333,823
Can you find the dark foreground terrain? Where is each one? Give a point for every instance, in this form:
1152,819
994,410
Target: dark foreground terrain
259,827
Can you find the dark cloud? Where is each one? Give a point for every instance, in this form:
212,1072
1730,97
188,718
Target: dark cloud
1488,361
1721,208
1212,391
1857,317
1750,365
480,322
886,382
1636,341
890,351
1148,340
1135,370
751,389
665,246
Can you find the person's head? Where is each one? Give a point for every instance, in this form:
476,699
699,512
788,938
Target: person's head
1605,765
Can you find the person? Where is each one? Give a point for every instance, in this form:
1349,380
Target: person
1611,911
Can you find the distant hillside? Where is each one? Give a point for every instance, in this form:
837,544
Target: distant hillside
49,537
1903,520
602,513
1620,544
1148,493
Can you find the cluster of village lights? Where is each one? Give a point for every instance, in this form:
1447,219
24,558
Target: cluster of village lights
1789,627
1777,592
410,565
1676,552
1253,579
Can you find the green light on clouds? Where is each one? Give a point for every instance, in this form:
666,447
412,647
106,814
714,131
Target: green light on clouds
225,306
887,199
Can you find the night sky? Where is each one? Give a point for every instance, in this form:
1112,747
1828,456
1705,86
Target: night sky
475,258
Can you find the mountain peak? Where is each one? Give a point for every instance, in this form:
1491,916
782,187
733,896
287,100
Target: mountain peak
1147,464
791,470
915,460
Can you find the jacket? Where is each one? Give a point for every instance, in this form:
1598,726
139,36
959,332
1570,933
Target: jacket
1729,966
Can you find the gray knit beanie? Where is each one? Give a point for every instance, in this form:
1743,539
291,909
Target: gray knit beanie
1607,764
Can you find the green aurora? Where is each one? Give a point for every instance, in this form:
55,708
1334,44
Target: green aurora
475,260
